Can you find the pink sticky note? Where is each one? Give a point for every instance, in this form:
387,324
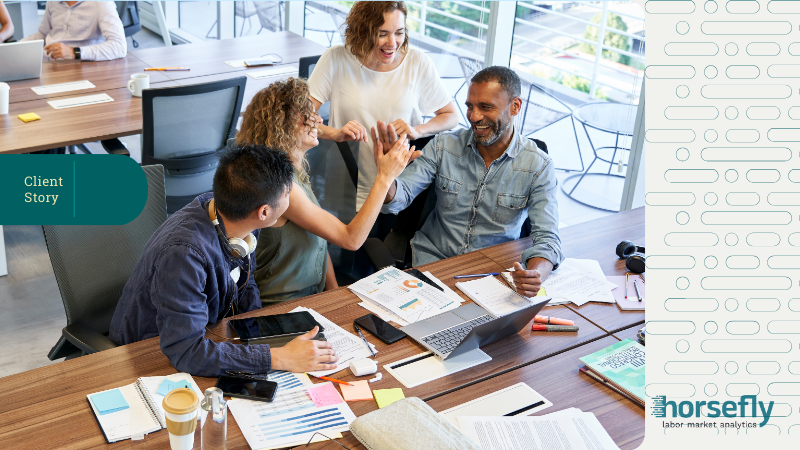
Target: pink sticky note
324,394
359,390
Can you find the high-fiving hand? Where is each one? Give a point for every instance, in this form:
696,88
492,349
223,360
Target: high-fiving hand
386,136
392,162
401,127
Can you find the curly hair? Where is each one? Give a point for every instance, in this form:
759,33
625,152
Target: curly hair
363,23
271,118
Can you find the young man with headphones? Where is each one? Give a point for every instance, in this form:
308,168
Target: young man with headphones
197,269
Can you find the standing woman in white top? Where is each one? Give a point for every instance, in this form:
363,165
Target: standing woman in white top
376,76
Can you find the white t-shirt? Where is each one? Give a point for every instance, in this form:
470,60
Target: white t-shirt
408,92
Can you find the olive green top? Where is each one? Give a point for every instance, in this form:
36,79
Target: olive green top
290,261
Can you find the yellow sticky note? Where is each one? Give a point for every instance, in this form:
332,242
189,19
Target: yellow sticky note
29,117
358,391
386,397
541,293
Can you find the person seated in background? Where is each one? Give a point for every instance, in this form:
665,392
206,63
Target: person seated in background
197,269
488,180
6,26
292,255
89,31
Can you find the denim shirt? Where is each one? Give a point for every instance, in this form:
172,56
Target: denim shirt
181,284
476,207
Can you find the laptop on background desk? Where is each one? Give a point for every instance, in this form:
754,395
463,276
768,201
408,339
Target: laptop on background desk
468,327
25,58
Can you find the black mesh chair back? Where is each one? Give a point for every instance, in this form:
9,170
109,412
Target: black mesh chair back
307,65
93,263
129,15
184,128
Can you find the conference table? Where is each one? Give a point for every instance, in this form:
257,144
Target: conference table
123,116
47,407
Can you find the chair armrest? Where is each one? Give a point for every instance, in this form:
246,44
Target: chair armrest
86,339
115,147
378,253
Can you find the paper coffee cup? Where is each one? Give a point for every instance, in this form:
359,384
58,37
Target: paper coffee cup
180,407
4,94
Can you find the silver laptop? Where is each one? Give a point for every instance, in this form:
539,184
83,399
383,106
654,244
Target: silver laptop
21,60
468,327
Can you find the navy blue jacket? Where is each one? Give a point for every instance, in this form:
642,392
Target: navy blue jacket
181,284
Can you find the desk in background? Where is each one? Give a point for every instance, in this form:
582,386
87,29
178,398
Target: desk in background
123,116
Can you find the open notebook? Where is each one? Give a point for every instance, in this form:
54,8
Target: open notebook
143,414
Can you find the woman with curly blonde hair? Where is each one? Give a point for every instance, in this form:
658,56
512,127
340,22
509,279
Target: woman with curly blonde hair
292,258
375,77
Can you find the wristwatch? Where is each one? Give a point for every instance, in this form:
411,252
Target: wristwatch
77,51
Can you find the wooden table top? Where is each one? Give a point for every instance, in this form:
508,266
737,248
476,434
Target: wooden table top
559,381
208,58
123,116
595,239
105,75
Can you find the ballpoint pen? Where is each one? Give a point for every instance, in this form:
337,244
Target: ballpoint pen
626,285
369,347
636,286
476,275
166,69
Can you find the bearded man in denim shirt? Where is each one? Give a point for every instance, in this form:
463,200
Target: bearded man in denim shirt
488,180
193,273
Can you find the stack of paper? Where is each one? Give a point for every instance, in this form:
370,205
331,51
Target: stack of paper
348,346
392,294
576,280
570,428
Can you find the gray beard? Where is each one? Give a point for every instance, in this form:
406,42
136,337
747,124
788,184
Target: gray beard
494,138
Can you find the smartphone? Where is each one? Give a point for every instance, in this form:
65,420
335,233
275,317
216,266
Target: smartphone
240,387
259,62
380,328
417,274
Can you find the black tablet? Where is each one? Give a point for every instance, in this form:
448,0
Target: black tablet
276,325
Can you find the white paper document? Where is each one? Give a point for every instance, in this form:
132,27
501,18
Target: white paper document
404,295
62,87
579,282
274,71
80,101
425,367
289,420
494,296
518,400
524,433
348,346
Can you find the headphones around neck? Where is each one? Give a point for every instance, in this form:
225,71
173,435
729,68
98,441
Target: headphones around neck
238,248
633,256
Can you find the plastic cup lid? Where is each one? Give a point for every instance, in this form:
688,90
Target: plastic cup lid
181,401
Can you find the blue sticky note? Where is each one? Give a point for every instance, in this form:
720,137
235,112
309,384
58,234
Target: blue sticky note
168,385
109,402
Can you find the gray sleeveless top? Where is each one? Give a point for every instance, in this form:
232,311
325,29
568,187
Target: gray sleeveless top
290,261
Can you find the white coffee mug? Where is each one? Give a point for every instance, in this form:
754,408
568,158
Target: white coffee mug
137,83
4,94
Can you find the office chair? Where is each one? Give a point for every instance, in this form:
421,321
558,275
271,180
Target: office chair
395,250
92,265
129,15
307,65
535,115
184,128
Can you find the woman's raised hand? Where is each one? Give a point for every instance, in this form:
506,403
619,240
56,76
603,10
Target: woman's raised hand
401,127
391,164
351,131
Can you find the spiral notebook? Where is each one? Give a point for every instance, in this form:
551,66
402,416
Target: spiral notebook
140,410
494,296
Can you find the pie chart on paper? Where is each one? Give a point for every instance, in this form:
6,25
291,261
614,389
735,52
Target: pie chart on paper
413,284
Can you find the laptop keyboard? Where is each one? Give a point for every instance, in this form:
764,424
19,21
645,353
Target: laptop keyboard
447,340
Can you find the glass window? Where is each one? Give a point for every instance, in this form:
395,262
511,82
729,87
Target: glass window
582,65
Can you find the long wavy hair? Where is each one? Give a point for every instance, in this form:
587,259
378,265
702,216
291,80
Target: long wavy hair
272,117
362,25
